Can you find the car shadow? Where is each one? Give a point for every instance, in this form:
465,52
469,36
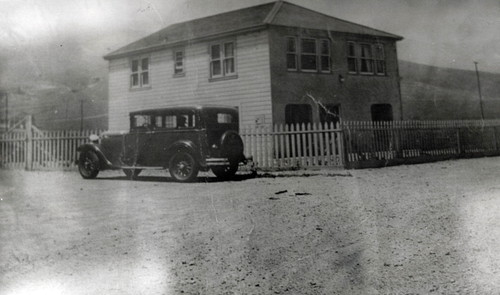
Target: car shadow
205,179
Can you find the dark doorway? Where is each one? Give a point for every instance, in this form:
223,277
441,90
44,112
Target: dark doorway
329,113
298,113
381,112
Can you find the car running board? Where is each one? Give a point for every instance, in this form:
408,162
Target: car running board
141,167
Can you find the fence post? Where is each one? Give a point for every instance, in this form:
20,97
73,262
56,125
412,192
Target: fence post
29,144
459,148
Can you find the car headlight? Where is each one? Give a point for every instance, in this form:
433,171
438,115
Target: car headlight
94,138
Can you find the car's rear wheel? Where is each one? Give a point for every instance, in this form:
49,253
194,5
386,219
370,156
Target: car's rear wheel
183,167
132,173
225,172
88,164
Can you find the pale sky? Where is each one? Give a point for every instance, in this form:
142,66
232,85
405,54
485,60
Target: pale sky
447,33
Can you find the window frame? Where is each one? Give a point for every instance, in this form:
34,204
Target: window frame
223,60
292,53
376,61
302,54
380,59
369,59
328,55
353,57
140,72
299,54
181,71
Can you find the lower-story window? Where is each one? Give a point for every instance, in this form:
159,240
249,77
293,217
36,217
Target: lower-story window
381,112
329,113
298,113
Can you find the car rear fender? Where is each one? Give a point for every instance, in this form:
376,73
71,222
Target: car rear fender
105,163
188,146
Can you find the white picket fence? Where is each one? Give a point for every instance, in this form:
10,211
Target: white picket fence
26,146
281,147
294,146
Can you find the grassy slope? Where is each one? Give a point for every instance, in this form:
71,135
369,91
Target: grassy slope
435,93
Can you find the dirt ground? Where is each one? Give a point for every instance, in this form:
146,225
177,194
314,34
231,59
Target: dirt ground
421,229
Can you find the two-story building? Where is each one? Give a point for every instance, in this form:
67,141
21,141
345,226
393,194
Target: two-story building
277,62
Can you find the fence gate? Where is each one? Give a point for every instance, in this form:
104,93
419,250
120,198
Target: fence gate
26,146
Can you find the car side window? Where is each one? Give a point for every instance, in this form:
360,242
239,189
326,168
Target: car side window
186,120
139,121
158,122
170,121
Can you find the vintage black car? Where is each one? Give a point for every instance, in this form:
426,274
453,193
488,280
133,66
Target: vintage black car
183,140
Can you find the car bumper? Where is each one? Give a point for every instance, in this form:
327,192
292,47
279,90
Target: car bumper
225,161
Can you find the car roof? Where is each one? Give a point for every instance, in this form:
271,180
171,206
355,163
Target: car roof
186,108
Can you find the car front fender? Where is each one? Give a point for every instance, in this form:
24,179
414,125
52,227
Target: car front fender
95,148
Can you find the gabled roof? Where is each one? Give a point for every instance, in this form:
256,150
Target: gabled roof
247,19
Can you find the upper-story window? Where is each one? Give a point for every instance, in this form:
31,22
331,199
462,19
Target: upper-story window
380,59
291,53
366,58
352,63
139,76
178,62
222,60
313,55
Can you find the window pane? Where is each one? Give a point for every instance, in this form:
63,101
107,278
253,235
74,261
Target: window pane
145,78
145,64
170,122
308,62
142,121
216,68
158,121
308,46
224,118
325,63
228,50
179,62
366,51
215,51
229,66
183,121
350,49
291,61
351,65
291,45
134,79
135,65
325,47
367,66
178,56
380,67
380,54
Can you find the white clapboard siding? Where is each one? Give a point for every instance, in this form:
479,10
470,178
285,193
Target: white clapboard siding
250,91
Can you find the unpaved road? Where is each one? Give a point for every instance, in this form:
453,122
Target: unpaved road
421,229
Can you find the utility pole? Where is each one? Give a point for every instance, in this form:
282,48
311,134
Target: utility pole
479,90
81,115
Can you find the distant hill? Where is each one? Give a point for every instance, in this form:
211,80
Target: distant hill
57,107
428,93
433,93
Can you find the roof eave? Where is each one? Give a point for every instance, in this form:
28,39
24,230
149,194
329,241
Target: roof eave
184,41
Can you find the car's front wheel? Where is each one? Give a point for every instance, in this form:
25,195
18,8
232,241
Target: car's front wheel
88,164
225,172
183,167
